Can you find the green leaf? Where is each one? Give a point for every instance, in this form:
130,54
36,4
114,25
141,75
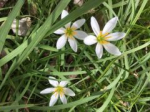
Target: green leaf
58,107
39,35
68,73
6,27
111,85
6,108
46,47
105,104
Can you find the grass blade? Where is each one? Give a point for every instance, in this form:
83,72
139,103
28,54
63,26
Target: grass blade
6,27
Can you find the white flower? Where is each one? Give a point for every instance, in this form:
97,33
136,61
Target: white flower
22,27
59,90
70,32
78,2
102,38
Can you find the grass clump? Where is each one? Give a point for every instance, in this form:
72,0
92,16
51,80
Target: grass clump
110,84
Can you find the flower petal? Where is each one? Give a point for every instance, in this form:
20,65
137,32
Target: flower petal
53,99
77,24
68,25
80,35
64,14
63,99
115,36
60,31
95,26
73,44
63,83
53,82
69,92
99,50
110,25
22,27
112,49
89,40
61,42
47,90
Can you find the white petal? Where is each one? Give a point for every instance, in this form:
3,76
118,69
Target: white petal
73,44
16,28
64,14
69,92
99,50
80,35
22,27
89,40
53,99
47,90
14,24
61,42
15,31
115,36
60,31
110,25
77,24
68,25
95,26
63,99
53,82
112,49
63,83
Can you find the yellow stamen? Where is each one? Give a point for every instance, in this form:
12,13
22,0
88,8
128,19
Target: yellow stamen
70,32
102,39
59,90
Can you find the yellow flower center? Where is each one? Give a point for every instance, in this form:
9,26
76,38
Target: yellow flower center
102,39
70,32
59,90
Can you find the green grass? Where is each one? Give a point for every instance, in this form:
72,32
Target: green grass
110,84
